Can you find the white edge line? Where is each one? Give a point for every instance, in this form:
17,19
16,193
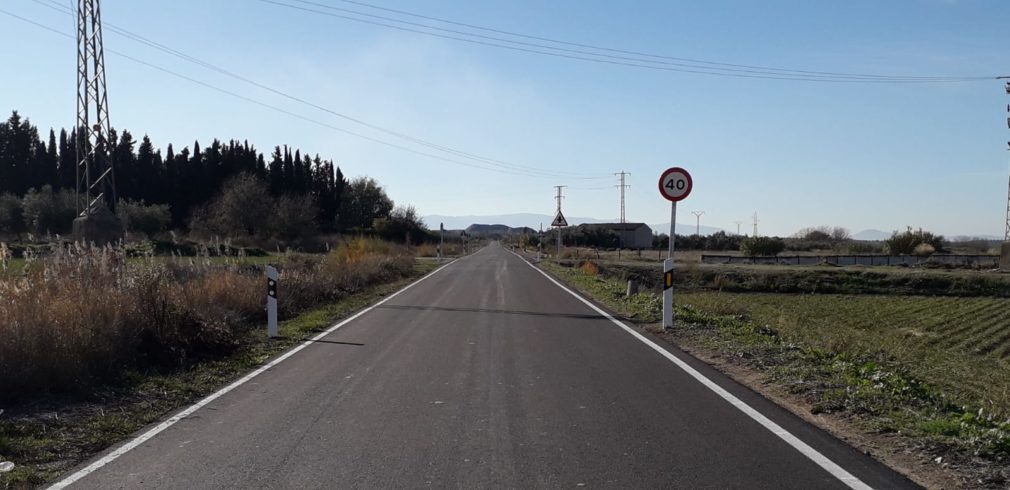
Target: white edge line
125,448
830,466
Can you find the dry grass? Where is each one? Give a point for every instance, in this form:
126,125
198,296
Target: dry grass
84,316
431,250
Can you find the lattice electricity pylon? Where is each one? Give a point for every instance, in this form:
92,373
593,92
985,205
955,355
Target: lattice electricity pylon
96,183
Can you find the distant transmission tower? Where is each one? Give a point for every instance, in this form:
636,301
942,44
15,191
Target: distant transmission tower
697,214
622,186
755,224
96,183
559,195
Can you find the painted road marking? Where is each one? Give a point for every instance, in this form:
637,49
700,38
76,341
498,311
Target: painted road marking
811,453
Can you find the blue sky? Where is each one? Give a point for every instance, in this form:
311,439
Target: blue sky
799,154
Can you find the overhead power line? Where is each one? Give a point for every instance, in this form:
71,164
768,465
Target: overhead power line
612,50
216,68
284,111
683,65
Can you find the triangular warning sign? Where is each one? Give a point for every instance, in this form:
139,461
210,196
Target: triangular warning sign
559,220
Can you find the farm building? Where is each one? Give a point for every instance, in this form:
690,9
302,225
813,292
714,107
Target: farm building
632,235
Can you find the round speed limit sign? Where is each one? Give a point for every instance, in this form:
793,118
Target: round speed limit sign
675,184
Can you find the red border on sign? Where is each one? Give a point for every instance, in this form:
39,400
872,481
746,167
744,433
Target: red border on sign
690,183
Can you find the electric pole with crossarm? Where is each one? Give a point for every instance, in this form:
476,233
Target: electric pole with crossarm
623,186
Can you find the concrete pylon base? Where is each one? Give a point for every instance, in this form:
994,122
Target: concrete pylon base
101,227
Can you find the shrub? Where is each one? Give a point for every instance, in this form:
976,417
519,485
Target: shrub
762,246
138,217
819,234
923,250
858,247
47,211
907,241
12,215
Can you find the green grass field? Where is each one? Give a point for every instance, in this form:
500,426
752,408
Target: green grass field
961,345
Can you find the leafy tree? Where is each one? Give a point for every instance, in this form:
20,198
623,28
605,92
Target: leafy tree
243,208
402,225
839,234
294,218
363,201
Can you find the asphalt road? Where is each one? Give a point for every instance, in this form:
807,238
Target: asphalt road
483,375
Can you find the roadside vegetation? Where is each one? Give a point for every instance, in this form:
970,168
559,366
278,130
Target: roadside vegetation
98,341
82,316
931,373
103,345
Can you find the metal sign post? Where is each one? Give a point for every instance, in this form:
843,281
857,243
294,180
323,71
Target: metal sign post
272,301
675,184
559,223
441,239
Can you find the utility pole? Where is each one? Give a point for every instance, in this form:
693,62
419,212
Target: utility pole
697,226
623,186
96,183
738,223
755,224
559,197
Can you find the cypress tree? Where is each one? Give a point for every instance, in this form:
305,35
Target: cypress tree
276,177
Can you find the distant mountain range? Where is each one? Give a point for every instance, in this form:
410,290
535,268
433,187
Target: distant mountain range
534,221
511,220
497,230
513,223
872,235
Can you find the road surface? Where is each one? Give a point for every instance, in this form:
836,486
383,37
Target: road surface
484,375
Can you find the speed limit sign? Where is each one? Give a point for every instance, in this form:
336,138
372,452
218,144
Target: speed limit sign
675,184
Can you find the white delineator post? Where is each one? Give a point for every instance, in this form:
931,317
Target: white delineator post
668,272
272,301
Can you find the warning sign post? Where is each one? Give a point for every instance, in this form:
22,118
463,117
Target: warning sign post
559,223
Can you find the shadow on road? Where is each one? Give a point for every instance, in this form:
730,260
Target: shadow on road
320,341
499,312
